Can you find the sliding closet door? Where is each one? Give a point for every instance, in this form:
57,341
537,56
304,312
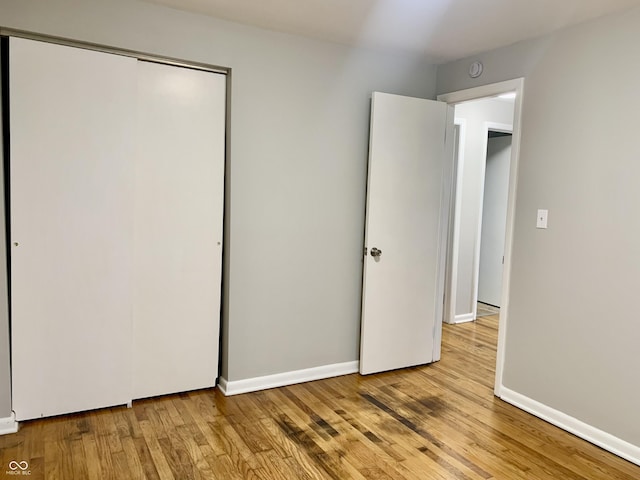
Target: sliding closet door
178,228
72,123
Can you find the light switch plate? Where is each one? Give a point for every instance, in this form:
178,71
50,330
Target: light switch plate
541,222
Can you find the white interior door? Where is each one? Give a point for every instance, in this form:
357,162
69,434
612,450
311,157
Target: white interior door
179,194
406,220
71,227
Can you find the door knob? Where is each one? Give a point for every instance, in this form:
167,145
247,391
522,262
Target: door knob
376,252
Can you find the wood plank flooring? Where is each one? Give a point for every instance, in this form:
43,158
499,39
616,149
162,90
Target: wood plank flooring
433,422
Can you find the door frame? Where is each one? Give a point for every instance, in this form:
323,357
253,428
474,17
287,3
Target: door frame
455,205
476,93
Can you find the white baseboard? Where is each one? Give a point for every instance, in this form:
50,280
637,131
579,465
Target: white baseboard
465,317
236,387
585,431
8,425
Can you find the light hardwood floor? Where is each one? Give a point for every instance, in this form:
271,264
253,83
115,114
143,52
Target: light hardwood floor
434,422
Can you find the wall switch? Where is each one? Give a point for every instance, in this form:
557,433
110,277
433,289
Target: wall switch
541,222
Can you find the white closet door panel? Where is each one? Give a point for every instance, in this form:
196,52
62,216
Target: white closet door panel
71,115
178,228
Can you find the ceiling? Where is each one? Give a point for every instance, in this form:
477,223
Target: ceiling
442,30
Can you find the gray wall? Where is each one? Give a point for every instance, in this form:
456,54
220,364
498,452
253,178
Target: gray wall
572,335
296,179
475,114
5,378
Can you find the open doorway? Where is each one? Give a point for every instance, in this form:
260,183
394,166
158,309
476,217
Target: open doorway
493,222
479,121
466,223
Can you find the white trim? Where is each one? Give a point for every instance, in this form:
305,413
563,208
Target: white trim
236,387
444,228
464,318
495,89
605,440
8,425
450,311
498,127
223,385
483,91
